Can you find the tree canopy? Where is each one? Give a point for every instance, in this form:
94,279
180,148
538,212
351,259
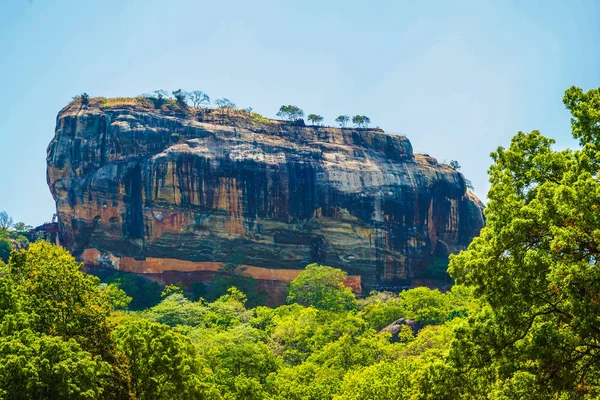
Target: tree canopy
534,267
322,287
342,120
290,112
361,121
315,119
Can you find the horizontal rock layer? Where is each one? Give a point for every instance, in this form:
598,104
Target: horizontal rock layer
133,187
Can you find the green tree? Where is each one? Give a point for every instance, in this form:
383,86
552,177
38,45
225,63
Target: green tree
379,314
315,119
69,303
454,165
172,289
117,297
181,97
224,103
383,380
160,97
160,361
6,222
342,120
290,112
358,121
199,98
45,294
425,305
236,351
143,291
366,121
46,367
307,381
21,227
322,287
83,98
5,249
351,351
175,310
534,267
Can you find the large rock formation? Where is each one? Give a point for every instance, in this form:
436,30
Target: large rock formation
157,192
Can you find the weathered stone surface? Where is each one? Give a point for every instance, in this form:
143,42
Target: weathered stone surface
131,195
395,327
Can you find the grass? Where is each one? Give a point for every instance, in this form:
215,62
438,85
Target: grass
256,117
168,106
116,102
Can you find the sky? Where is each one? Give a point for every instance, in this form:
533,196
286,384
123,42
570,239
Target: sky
459,78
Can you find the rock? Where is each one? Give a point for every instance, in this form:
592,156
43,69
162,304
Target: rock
150,191
395,327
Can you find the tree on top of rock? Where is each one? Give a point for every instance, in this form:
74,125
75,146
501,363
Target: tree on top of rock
290,112
342,120
181,97
361,121
198,98
454,165
315,119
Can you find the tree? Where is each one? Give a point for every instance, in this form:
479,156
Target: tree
21,227
199,98
290,113
46,367
224,103
454,165
425,305
5,249
161,362
117,297
47,303
342,120
384,380
68,302
379,314
315,119
236,351
361,121
181,97
322,287
84,98
158,98
6,222
366,121
534,267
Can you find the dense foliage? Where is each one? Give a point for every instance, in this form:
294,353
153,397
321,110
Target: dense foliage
67,336
521,322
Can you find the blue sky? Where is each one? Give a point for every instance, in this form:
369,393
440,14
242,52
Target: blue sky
458,78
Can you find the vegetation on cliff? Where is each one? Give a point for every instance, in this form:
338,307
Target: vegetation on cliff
196,104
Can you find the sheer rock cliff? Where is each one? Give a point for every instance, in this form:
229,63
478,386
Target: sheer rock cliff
175,194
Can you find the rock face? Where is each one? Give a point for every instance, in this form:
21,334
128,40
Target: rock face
153,192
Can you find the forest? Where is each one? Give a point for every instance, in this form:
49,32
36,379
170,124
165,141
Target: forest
522,320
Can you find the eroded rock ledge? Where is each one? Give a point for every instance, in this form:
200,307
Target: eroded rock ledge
135,186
